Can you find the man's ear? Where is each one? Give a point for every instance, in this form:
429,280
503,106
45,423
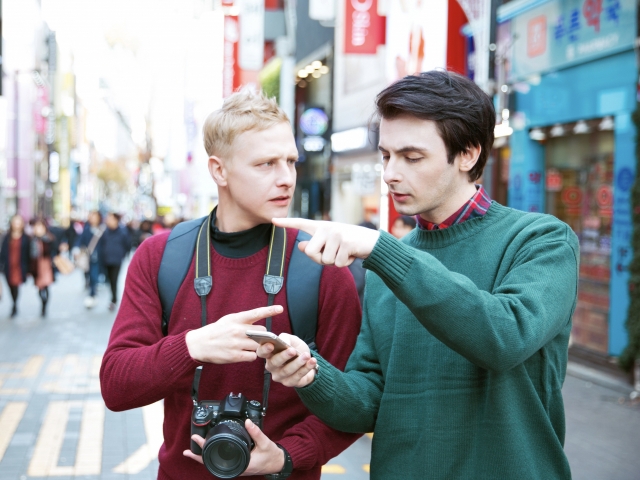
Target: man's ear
218,171
469,158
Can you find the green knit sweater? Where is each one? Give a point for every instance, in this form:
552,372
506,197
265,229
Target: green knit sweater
462,354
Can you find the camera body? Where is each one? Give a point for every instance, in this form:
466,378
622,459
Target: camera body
227,448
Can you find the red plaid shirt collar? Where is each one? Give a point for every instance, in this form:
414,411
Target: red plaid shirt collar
477,206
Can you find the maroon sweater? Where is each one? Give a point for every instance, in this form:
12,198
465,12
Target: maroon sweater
141,366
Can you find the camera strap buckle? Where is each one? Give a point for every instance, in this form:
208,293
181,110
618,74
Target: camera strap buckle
196,385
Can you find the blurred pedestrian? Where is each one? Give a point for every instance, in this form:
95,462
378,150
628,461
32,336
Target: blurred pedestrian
43,248
402,226
88,257
71,234
14,258
146,230
113,247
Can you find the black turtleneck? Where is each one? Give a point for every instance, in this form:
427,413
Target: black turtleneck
239,244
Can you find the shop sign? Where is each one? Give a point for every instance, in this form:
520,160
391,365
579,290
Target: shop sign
416,37
322,10
251,49
363,179
352,139
554,180
54,167
231,71
560,33
314,121
364,28
313,143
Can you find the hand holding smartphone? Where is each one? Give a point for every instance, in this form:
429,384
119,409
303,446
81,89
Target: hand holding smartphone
268,337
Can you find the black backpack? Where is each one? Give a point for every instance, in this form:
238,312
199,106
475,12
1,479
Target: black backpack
303,279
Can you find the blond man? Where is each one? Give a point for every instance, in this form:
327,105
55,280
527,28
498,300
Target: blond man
252,157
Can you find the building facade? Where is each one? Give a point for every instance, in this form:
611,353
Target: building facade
573,76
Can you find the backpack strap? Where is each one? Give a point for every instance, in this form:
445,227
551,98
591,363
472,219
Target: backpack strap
175,264
303,290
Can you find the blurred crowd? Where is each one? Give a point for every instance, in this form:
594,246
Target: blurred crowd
41,249
98,246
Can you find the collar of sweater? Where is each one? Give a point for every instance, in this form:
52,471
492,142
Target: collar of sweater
426,239
239,244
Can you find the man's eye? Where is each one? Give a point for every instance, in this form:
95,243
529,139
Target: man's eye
385,158
413,160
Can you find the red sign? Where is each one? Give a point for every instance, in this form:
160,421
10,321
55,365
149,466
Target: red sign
231,69
364,28
554,180
537,36
591,11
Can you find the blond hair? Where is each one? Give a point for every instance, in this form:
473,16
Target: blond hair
241,111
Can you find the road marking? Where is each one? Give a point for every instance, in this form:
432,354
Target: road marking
9,421
89,452
333,468
153,416
76,376
30,369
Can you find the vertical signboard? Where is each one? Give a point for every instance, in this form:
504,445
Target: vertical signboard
251,49
364,28
416,37
231,71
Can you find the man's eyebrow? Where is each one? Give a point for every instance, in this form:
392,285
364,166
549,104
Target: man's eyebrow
407,149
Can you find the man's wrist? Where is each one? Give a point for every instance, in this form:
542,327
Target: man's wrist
287,466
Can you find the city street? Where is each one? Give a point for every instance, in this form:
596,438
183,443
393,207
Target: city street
53,423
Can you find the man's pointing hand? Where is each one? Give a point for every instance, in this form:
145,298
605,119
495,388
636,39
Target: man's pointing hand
332,243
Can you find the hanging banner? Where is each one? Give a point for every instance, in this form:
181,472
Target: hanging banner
231,70
251,49
364,28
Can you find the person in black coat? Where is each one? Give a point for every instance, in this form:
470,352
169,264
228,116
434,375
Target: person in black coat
114,245
15,258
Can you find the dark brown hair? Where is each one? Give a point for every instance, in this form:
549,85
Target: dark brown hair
463,113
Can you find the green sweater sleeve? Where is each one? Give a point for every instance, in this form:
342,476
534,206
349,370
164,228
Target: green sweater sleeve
498,329
348,401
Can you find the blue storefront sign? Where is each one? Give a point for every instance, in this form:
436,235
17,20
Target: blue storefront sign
574,60
561,33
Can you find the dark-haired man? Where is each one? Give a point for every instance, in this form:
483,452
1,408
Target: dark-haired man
462,353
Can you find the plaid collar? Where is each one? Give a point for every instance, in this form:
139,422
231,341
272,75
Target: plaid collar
477,206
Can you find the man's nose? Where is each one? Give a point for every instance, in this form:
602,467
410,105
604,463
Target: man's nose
286,175
391,173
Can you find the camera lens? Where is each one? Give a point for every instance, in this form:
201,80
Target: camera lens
226,451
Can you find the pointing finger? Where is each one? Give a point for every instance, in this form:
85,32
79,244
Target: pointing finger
251,316
304,224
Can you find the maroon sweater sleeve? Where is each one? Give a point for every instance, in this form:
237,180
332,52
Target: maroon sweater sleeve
312,443
141,366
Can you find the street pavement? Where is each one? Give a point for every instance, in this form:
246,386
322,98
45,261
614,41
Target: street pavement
53,423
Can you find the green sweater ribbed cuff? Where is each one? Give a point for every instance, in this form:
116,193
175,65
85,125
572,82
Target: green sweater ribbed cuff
321,390
390,259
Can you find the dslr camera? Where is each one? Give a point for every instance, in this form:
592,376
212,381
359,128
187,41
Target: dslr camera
227,447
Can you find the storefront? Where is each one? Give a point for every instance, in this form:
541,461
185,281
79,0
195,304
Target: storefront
575,73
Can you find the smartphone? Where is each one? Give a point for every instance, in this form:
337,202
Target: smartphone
268,337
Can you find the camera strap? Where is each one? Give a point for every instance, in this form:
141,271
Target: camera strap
272,282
